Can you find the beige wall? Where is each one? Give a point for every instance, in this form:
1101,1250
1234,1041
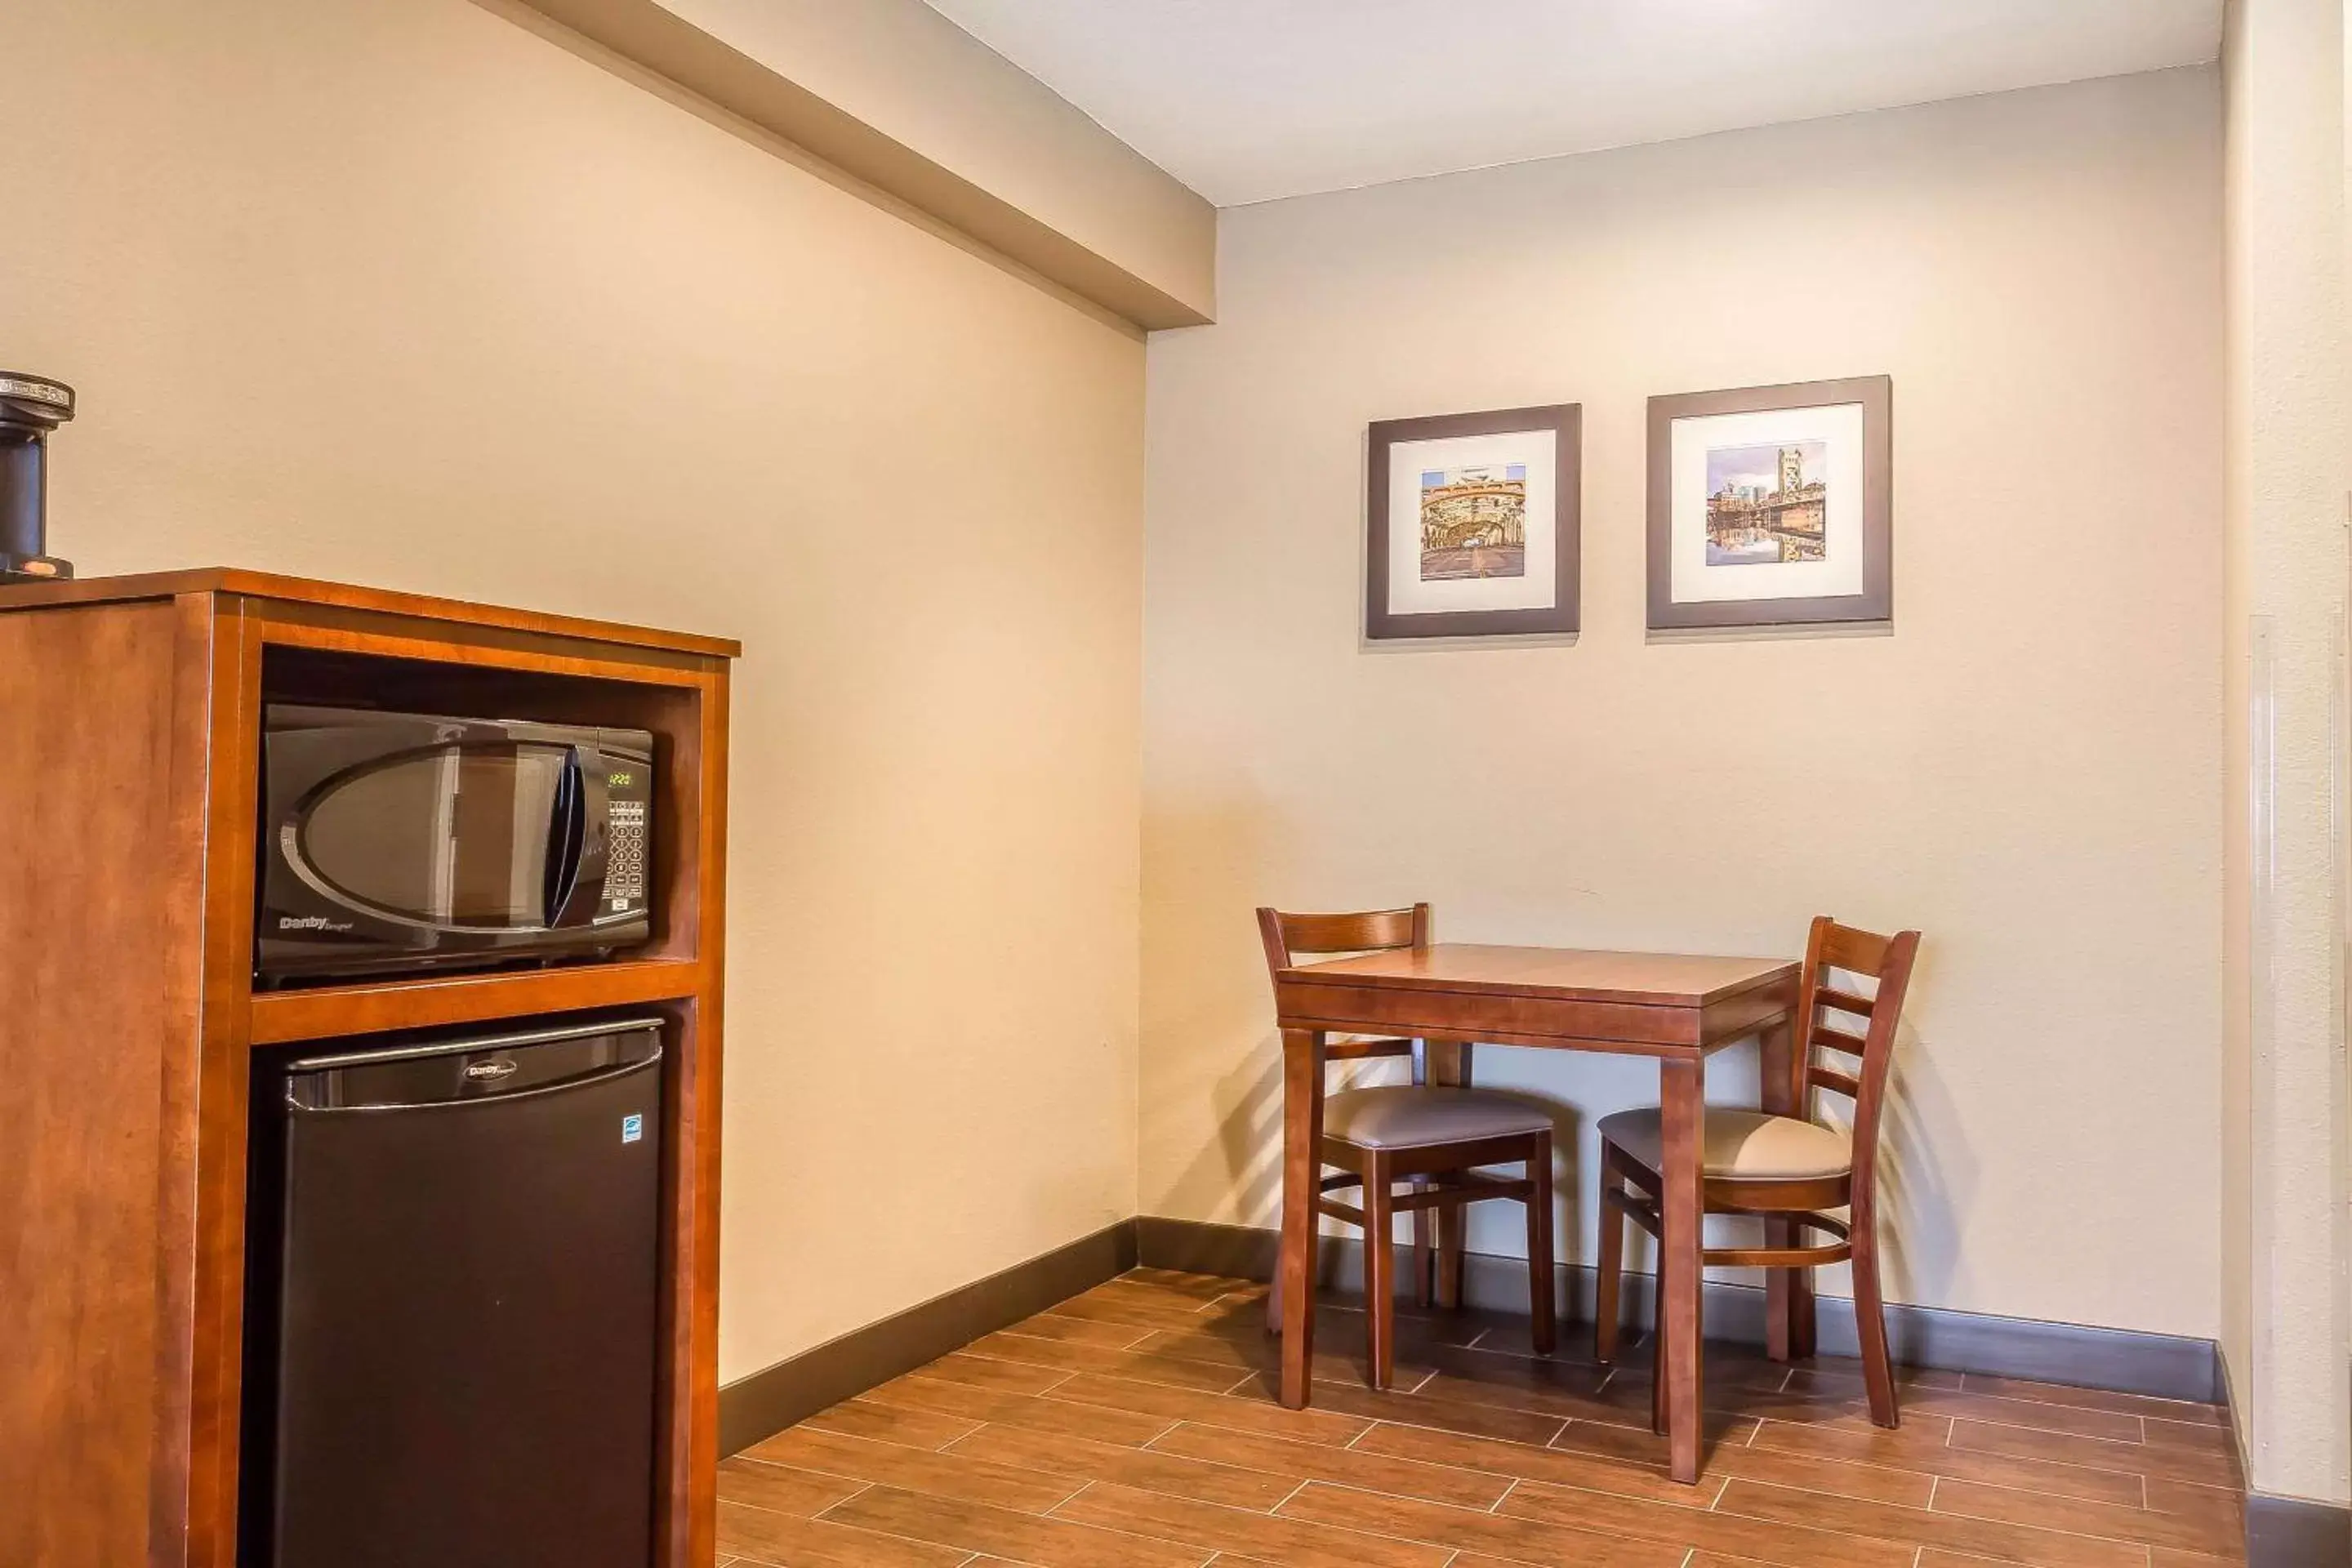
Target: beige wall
2289,415
406,295
2028,769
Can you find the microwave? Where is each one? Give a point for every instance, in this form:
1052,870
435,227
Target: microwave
396,842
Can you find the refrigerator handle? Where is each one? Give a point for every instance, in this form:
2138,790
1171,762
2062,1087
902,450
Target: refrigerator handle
295,1103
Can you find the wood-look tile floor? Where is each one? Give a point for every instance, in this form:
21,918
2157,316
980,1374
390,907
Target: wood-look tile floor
1134,1426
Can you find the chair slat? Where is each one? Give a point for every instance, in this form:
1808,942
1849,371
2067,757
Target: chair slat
1471,1190
1357,1050
1839,1040
1844,1001
1858,951
1837,1082
1348,934
1640,1210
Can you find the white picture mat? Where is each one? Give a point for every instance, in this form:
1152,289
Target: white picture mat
1839,426
1407,594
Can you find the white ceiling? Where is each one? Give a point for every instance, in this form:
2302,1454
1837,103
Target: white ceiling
1249,100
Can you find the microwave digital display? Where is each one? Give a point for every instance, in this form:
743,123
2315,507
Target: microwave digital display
398,841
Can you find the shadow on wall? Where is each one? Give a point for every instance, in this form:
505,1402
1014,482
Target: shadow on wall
1248,1149
1205,998
1927,1171
1247,1157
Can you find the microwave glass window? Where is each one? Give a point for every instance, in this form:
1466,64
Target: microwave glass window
504,816
458,836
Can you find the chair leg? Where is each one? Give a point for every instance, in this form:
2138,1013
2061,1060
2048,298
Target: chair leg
1780,1288
1802,1316
1541,1284
1658,1331
1870,1328
1380,1270
1788,1296
1274,1301
1611,1267
1450,1236
1422,1252
1658,1368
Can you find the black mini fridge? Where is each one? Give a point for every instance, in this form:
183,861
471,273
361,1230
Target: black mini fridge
453,1286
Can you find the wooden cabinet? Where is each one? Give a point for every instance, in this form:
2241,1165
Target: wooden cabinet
129,741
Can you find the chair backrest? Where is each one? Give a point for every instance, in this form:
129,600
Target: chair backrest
1291,937
1318,936
1885,961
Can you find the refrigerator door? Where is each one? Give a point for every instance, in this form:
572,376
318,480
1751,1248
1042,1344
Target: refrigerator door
465,1285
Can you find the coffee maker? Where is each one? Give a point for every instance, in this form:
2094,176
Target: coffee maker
30,407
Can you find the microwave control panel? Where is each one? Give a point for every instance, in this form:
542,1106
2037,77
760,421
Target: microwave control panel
624,854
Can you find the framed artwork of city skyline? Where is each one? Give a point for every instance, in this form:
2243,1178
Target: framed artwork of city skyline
1773,506
1471,524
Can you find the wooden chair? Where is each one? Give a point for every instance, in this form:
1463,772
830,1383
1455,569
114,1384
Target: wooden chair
1434,1136
1789,1170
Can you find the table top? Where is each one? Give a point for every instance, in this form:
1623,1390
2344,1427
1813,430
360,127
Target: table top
1567,973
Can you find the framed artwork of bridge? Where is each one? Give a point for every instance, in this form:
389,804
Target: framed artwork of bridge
1471,524
1773,506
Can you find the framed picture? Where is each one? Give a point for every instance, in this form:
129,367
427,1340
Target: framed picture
1471,524
1770,506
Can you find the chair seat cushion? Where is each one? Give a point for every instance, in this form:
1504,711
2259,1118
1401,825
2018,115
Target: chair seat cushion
1740,1144
1402,1116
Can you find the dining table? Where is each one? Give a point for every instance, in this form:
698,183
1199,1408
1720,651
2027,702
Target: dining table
1678,1008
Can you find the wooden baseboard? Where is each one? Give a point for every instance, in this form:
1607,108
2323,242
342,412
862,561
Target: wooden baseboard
2165,1367
765,1403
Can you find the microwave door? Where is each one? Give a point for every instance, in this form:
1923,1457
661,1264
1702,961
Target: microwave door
453,837
381,840
567,836
608,889
582,903
504,847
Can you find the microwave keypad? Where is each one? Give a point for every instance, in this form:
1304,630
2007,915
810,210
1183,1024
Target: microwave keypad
624,853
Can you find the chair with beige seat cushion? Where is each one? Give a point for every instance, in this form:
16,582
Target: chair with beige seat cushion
1434,1137
1743,1143
1790,1170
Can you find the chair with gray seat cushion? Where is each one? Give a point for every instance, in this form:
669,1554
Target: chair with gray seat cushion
1790,1171
1433,1136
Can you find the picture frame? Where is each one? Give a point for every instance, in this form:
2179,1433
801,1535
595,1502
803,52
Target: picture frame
1472,524
1773,506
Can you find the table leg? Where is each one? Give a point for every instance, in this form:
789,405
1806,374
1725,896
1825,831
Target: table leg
1302,1174
1682,1085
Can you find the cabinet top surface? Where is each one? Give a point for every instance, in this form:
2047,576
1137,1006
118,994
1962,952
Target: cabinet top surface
344,595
